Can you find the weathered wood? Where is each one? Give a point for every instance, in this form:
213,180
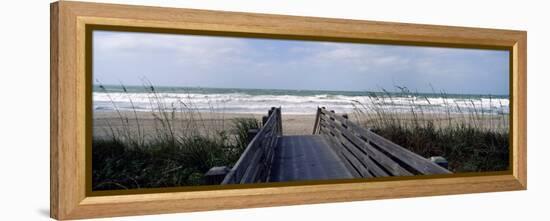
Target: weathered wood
360,155
391,166
361,150
363,171
339,151
316,124
378,150
306,157
216,175
356,130
273,137
255,162
252,168
418,162
346,152
367,156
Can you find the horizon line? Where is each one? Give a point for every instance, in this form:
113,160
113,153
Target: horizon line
327,90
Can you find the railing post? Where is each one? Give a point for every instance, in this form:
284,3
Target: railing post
441,161
216,175
316,125
279,116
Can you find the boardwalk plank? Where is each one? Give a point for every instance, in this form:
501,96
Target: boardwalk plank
307,157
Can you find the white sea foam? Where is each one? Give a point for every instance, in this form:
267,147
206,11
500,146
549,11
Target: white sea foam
292,104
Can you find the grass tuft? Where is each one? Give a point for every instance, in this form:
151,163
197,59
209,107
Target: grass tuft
179,152
471,140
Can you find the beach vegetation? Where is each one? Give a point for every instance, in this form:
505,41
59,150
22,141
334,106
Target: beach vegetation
179,152
471,139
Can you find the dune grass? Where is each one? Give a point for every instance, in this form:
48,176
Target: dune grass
179,152
471,140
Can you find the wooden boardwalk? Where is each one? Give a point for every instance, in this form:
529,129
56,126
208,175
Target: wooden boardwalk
307,157
337,149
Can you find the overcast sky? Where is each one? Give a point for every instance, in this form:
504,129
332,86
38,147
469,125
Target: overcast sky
200,61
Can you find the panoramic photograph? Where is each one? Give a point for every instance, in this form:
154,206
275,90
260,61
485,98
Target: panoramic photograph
175,110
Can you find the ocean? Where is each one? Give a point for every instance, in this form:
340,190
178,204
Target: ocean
258,101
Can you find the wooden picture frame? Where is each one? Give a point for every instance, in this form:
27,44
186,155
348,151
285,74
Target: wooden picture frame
69,197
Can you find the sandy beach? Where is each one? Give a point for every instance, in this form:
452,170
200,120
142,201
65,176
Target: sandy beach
293,124
103,121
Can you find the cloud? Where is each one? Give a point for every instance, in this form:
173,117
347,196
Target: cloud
187,60
198,50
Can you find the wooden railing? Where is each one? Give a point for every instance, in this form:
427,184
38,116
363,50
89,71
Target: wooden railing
255,162
367,154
